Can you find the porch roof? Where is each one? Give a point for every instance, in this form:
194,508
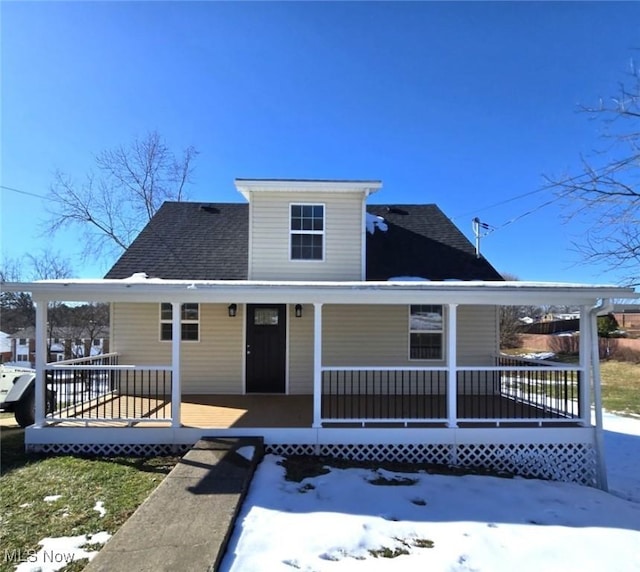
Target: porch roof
139,288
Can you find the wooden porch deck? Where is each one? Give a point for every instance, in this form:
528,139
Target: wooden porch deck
200,411
228,411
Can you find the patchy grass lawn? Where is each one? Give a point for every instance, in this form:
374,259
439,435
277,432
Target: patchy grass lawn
121,483
621,386
620,382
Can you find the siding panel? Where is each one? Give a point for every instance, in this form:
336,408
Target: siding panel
379,336
368,335
269,246
301,351
477,335
352,335
212,365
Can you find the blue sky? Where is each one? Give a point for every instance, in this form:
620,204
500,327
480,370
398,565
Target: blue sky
460,104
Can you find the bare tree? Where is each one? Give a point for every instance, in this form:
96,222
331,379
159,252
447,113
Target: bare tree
17,309
48,265
112,205
510,320
88,322
606,194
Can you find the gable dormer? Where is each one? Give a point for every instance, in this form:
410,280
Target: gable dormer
306,230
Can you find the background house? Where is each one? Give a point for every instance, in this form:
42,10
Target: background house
63,343
5,347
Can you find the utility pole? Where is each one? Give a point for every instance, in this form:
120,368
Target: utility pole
477,225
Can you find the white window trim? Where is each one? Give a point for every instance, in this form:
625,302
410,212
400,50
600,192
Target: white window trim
170,321
443,357
317,232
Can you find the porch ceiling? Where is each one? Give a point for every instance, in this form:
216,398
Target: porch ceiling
138,288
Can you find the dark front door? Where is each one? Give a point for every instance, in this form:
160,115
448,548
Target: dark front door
266,348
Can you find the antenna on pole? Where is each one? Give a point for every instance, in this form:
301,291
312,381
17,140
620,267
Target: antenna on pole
477,224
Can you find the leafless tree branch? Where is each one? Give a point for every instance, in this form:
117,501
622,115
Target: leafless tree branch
606,194
111,206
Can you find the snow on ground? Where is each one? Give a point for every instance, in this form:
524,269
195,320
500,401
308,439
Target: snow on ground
246,452
56,553
99,507
347,518
622,453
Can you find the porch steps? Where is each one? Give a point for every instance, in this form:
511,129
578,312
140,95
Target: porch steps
186,523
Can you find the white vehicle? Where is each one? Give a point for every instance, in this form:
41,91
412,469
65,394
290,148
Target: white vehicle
17,393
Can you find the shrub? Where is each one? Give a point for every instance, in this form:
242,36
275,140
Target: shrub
564,344
626,354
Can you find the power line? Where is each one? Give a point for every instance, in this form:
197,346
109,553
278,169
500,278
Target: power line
531,211
504,202
12,189
590,175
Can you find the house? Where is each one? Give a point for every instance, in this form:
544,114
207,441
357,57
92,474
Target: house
323,325
5,347
627,315
63,342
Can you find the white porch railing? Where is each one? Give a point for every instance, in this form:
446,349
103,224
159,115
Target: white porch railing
514,391
384,394
97,388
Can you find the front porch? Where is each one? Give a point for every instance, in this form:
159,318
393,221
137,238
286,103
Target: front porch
384,370
515,392
527,417
295,411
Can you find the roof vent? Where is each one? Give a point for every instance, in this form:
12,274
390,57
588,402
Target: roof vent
397,210
210,209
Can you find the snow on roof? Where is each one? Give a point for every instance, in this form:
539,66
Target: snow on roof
376,222
408,279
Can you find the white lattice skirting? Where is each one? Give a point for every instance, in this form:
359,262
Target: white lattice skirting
569,462
110,449
554,461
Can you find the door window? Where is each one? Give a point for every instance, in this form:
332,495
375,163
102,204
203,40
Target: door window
265,317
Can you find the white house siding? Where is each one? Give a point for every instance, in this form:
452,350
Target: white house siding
379,336
301,351
269,237
478,342
211,365
353,335
367,336
477,335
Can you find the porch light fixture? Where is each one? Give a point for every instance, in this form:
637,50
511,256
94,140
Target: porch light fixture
298,310
233,310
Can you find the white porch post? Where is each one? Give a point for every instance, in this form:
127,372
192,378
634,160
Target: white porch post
41,359
317,365
176,337
585,371
452,361
601,467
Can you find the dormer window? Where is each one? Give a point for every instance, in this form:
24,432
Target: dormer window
307,232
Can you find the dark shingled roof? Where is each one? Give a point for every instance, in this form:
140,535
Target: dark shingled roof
422,242
190,241
196,241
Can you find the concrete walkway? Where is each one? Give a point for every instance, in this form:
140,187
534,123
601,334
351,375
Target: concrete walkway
185,524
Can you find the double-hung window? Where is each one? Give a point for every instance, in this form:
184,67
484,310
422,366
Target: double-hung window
189,321
426,332
307,232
